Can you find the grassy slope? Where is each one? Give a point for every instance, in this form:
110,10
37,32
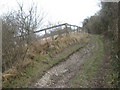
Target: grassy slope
39,66
90,67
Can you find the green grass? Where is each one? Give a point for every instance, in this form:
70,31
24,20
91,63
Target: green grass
39,66
29,73
90,67
113,78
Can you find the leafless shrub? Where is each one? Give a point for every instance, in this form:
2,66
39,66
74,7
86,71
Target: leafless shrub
17,35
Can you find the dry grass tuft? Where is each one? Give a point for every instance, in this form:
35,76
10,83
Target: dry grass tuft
43,47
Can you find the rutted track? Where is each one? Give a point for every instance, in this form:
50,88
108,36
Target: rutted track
60,75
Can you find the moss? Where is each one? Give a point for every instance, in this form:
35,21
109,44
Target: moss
41,63
90,67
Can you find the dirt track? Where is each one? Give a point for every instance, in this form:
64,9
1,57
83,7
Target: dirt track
60,75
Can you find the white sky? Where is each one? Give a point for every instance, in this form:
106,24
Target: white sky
63,11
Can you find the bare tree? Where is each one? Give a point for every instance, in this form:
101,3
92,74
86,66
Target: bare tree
18,33
28,21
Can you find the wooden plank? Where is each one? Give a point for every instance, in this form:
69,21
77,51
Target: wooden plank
49,28
45,29
56,26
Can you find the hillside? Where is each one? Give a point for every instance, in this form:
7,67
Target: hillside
41,58
74,61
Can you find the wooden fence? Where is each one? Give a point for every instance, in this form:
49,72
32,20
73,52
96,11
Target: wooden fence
57,30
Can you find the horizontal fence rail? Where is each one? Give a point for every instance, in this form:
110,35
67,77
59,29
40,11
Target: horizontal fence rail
65,24
67,28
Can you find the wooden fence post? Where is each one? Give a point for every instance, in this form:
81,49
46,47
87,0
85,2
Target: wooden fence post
74,29
45,35
77,29
66,29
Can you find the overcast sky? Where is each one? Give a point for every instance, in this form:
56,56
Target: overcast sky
63,11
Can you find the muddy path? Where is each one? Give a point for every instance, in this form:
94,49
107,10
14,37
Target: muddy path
60,75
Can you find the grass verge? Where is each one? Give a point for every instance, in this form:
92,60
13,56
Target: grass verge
90,67
38,67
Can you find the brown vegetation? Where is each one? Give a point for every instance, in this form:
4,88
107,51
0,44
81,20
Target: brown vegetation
106,23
